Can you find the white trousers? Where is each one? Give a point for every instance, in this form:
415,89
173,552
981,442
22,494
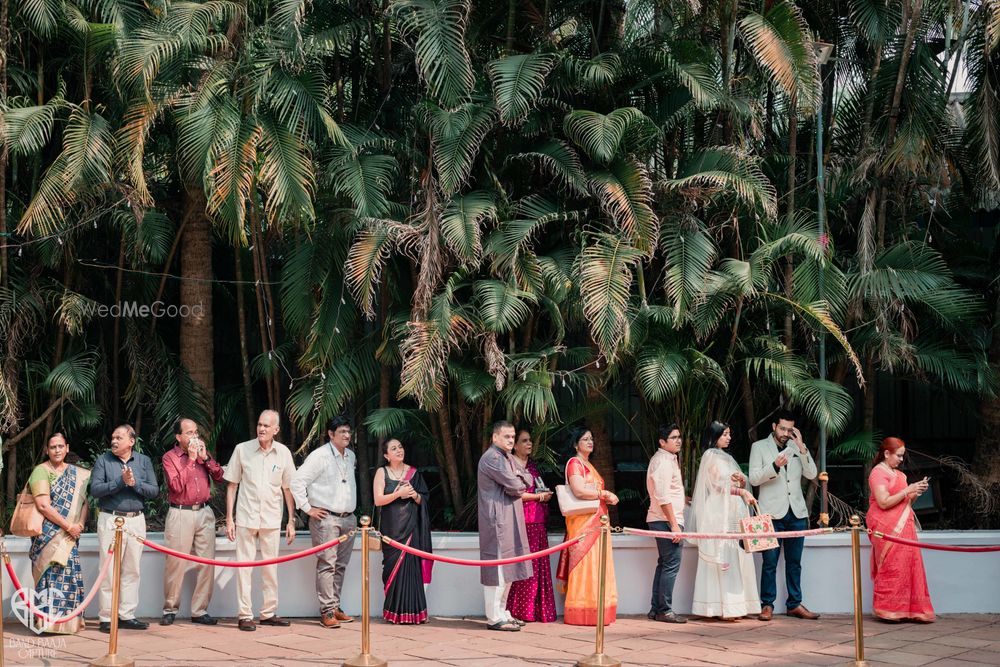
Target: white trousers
496,600
131,556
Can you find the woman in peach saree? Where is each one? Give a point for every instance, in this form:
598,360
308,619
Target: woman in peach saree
580,565
900,585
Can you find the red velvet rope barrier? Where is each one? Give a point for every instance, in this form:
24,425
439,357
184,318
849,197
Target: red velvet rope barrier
933,546
480,563
729,536
76,612
246,563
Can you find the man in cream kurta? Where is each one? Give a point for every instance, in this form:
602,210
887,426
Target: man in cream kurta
778,463
262,469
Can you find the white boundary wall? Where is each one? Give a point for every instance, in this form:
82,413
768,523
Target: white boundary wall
959,582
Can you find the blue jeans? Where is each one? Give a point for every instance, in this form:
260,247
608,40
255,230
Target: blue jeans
793,564
667,565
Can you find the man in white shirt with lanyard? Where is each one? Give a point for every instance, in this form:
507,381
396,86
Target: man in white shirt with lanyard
324,487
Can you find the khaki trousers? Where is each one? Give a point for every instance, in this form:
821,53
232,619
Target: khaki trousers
247,541
331,563
193,532
131,557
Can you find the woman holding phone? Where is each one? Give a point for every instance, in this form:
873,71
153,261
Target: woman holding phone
900,584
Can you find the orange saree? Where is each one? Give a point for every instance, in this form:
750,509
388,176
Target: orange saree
900,585
580,565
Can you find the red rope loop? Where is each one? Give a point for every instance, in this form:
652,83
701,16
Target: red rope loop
931,545
729,536
76,612
246,563
480,563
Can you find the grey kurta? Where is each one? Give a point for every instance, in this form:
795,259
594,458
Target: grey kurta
502,532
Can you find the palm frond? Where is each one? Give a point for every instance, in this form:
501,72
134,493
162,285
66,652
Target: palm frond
502,307
716,170
598,134
518,82
828,403
625,193
461,224
561,161
455,140
780,42
604,275
442,58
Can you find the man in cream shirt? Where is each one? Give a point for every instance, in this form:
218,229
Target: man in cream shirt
666,513
262,470
777,465
325,489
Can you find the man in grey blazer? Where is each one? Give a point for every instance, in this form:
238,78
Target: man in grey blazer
777,465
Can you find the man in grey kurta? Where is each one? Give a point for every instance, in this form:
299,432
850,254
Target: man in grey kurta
502,532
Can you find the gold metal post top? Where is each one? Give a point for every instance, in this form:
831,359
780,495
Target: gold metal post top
604,519
366,521
824,476
119,521
855,521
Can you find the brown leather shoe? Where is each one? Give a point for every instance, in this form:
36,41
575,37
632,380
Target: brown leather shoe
767,613
247,625
329,621
342,617
802,612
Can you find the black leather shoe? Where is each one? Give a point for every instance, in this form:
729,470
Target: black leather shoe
651,615
105,627
204,620
669,617
276,621
131,624
168,619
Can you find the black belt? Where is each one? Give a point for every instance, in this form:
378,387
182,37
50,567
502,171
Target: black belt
342,515
196,506
127,515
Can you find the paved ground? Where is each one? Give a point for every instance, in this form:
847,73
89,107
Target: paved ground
959,640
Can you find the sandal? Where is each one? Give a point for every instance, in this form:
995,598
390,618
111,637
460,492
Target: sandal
504,626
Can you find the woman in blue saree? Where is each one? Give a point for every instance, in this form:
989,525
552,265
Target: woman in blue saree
60,493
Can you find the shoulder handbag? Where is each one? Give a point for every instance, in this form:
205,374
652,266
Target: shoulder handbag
27,520
570,505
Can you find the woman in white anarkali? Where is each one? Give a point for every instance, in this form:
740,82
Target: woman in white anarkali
725,585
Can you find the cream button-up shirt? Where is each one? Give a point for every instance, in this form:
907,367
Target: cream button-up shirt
326,480
665,486
261,476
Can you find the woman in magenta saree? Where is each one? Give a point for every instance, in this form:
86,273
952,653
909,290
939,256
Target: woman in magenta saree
402,494
533,599
900,585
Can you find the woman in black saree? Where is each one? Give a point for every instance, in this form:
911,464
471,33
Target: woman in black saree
402,494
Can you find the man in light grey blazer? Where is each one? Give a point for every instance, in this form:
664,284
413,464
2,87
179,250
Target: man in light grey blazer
777,465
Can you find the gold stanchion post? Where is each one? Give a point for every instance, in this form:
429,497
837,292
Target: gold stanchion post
824,499
112,659
365,658
3,642
599,659
859,632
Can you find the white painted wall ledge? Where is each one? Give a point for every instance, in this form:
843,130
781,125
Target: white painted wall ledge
959,582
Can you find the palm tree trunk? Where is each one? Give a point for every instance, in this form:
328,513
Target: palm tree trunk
511,21
4,50
364,458
603,458
241,318
870,385
116,394
987,463
197,343
448,447
255,255
439,457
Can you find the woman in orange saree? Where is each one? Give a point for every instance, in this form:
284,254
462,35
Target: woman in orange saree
900,585
580,565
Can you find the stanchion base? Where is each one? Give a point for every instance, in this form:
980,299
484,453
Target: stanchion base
598,660
115,660
858,663
365,660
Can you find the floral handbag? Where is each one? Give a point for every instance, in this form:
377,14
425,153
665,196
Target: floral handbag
757,523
